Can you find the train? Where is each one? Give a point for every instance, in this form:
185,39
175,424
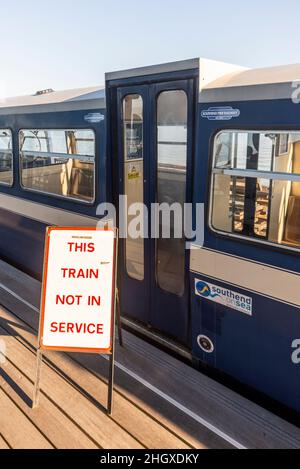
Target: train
219,138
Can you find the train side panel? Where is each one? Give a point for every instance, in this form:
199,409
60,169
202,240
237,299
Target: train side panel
245,295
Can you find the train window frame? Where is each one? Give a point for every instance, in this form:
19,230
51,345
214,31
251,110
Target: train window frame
4,184
213,170
51,194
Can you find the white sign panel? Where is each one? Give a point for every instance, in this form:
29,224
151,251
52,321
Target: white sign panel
223,296
78,290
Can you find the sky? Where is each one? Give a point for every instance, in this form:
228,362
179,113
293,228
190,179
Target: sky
63,44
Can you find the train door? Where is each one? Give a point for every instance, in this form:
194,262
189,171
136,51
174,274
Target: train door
155,138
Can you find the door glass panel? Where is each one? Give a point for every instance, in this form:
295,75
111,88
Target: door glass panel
171,189
134,177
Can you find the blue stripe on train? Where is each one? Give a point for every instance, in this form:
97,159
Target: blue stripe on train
22,242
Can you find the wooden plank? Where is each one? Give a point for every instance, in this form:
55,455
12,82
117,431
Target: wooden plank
57,427
17,430
3,443
139,424
19,282
177,423
190,430
93,420
142,426
253,425
247,422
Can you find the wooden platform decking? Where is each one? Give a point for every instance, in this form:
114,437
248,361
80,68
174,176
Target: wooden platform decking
160,402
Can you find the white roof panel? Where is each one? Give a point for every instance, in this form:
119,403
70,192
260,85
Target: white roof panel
218,82
62,100
258,76
255,84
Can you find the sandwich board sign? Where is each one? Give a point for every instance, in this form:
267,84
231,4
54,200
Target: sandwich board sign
78,295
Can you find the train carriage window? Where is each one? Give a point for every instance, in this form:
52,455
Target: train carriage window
6,158
59,162
256,186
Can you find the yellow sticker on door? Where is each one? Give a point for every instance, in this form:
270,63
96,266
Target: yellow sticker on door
133,173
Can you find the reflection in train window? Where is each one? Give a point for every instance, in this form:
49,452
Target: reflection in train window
133,122
59,162
256,186
172,116
6,158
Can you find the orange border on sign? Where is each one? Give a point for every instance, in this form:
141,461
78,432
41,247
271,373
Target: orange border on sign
44,290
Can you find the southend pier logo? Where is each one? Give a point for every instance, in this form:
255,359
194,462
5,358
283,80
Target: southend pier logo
223,296
203,289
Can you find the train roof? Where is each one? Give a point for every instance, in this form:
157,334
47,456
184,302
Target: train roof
253,84
222,82
51,101
209,70
218,82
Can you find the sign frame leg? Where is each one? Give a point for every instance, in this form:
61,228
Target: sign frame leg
119,322
36,393
111,382
111,376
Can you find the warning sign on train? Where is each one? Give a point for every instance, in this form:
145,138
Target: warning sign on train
78,290
133,173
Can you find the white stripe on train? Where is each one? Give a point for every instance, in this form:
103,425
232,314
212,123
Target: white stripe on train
269,281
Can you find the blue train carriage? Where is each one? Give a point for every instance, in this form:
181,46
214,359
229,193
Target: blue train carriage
226,137
197,132
245,283
52,168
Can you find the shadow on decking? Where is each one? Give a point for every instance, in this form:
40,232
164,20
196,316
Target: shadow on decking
7,328
15,387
